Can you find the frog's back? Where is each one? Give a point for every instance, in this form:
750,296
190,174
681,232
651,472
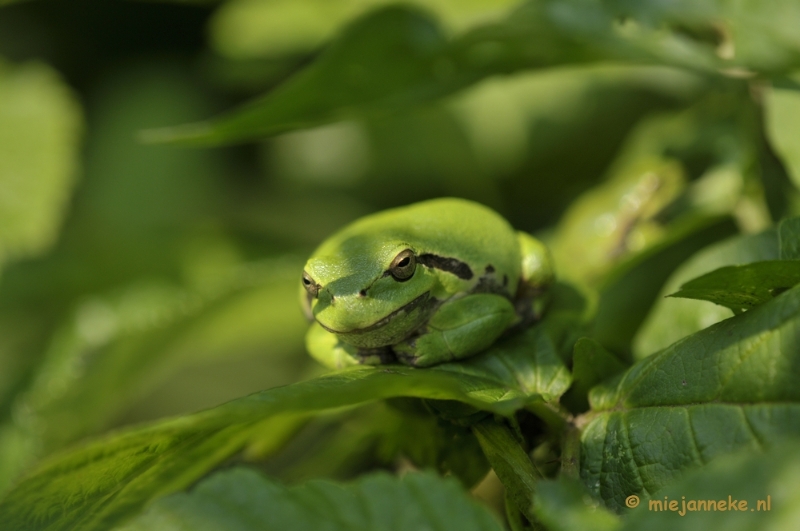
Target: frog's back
447,228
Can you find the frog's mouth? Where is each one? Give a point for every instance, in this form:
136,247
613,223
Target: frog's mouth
383,321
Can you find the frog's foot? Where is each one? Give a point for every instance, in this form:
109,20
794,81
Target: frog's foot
374,356
537,276
459,328
327,349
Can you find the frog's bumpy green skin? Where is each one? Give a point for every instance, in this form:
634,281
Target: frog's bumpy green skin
424,284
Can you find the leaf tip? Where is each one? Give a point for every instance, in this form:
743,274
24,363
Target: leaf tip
199,133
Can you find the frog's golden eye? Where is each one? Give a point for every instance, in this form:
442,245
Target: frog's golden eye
311,287
403,265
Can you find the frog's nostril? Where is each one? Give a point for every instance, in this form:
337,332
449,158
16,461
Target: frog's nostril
362,293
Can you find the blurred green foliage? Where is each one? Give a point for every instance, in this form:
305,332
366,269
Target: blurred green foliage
142,276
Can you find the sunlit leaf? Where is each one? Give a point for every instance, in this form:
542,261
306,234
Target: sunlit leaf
743,287
730,386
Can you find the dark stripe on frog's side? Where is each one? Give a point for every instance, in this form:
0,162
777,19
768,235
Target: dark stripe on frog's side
451,265
489,283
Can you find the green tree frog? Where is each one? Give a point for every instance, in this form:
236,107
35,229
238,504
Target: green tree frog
423,284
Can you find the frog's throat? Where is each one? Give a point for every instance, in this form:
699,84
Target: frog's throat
403,310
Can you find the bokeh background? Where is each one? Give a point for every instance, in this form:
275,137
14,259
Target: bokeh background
144,280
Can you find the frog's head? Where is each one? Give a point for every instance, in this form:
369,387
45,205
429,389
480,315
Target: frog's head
370,295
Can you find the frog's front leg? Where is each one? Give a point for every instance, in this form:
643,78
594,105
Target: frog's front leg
327,349
459,328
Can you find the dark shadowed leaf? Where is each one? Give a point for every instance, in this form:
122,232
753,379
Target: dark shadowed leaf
591,364
243,500
565,505
789,239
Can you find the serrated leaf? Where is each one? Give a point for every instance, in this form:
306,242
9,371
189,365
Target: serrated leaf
671,319
727,387
243,500
743,287
40,136
99,484
760,491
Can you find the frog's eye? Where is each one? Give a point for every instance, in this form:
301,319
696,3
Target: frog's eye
403,265
311,287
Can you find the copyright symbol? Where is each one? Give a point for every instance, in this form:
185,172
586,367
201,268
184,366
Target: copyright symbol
632,501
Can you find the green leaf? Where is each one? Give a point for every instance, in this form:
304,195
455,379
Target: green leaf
108,480
530,362
743,287
765,488
390,58
789,239
730,386
398,56
40,136
342,445
672,319
244,500
510,462
565,505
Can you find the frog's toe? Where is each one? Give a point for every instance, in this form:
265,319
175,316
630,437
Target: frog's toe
375,356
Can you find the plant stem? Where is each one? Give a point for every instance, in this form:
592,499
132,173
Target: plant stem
511,464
